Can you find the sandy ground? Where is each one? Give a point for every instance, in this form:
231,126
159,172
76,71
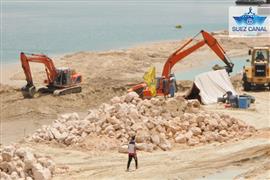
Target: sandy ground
247,158
110,73
257,115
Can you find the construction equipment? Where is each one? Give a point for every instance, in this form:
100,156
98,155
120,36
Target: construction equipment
60,80
258,73
164,83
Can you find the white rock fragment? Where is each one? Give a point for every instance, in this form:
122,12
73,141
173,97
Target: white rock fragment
155,139
130,96
8,153
180,139
40,172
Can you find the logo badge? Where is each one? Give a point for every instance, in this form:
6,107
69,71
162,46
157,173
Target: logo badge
245,21
249,18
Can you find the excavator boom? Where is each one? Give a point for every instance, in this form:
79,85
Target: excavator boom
38,58
180,54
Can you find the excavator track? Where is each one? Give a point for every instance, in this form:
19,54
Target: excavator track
69,90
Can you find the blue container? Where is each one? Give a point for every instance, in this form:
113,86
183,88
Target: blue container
249,99
243,102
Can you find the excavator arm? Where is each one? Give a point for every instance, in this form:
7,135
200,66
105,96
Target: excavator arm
38,58
29,89
180,54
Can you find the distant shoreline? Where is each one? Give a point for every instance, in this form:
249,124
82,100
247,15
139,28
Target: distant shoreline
12,73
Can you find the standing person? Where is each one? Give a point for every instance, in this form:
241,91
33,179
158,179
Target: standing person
132,152
172,85
165,87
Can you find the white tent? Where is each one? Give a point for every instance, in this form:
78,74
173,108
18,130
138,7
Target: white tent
208,86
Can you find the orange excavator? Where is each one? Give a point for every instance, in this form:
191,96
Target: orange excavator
60,80
164,82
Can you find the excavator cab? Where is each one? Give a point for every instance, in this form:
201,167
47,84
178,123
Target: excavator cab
66,76
257,74
63,77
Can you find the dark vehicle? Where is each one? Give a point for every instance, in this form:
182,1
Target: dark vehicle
249,2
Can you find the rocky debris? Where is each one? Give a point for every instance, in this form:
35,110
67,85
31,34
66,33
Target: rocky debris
157,124
20,163
180,138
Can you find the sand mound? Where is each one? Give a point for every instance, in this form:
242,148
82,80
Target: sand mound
20,163
6,89
157,124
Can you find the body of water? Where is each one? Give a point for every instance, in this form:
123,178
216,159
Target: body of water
238,62
58,27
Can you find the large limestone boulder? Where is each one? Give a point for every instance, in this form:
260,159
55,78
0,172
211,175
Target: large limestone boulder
210,136
150,124
193,141
130,96
108,129
193,106
144,147
14,175
171,105
41,173
188,135
133,113
7,167
4,176
165,145
142,136
223,133
29,159
57,135
47,163
155,139
196,131
212,123
92,116
24,165
8,153
180,138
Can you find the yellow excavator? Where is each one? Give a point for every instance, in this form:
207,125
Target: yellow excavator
257,75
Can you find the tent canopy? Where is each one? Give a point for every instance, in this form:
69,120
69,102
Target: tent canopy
208,86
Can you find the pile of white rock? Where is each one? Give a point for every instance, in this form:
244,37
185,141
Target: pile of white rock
20,163
157,123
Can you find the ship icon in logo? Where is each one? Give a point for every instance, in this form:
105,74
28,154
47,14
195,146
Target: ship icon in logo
249,18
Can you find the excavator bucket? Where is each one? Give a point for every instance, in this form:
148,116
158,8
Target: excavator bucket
227,68
28,91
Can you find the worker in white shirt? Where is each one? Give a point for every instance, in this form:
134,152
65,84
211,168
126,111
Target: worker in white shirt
132,153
